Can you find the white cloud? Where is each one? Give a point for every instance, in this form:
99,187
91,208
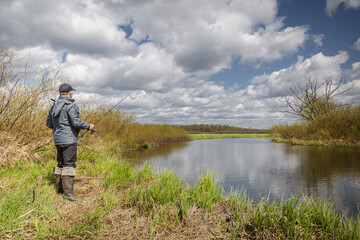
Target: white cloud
332,5
318,38
355,70
74,26
201,37
187,38
151,69
279,82
357,45
186,42
353,96
42,56
190,100
255,106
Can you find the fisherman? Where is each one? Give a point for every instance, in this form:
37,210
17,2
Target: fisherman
64,119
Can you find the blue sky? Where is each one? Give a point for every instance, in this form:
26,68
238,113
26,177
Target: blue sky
190,62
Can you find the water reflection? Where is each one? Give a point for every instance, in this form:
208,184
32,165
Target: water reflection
331,173
163,151
264,168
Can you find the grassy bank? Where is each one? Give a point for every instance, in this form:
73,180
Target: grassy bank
216,136
121,201
340,127
219,129
329,143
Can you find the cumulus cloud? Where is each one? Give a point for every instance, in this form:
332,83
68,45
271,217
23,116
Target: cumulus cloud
41,56
279,82
183,38
201,37
165,51
332,5
74,26
151,69
357,45
255,106
355,70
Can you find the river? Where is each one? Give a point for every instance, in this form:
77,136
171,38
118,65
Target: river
263,168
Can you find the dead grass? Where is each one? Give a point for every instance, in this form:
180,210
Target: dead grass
12,149
126,223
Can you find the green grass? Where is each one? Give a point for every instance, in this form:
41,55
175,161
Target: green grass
216,136
127,202
330,143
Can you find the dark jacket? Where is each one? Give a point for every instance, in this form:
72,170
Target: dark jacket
64,119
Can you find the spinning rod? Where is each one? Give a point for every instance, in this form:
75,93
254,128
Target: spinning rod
92,131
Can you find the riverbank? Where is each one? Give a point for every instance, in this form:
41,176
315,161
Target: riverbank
339,127
218,136
122,201
330,143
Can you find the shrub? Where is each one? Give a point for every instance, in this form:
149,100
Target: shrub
24,90
341,124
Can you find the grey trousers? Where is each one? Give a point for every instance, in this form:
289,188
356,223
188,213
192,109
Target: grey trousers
66,155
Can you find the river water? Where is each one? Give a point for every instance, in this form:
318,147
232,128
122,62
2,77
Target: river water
264,168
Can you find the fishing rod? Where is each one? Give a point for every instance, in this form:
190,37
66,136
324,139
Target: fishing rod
92,131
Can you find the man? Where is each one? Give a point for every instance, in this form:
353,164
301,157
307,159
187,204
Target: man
64,119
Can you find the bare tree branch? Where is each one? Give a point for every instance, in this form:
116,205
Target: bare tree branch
312,99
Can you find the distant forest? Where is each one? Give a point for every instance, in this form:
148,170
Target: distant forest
220,129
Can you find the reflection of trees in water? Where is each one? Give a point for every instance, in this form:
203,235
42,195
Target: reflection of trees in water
323,162
324,169
140,157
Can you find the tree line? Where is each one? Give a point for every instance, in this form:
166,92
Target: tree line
218,129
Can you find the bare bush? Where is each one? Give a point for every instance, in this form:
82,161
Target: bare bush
312,98
24,86
324,117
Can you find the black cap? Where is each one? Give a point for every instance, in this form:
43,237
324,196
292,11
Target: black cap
65,87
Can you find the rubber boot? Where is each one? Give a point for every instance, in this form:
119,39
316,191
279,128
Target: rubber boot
59,188
57,173
68,186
